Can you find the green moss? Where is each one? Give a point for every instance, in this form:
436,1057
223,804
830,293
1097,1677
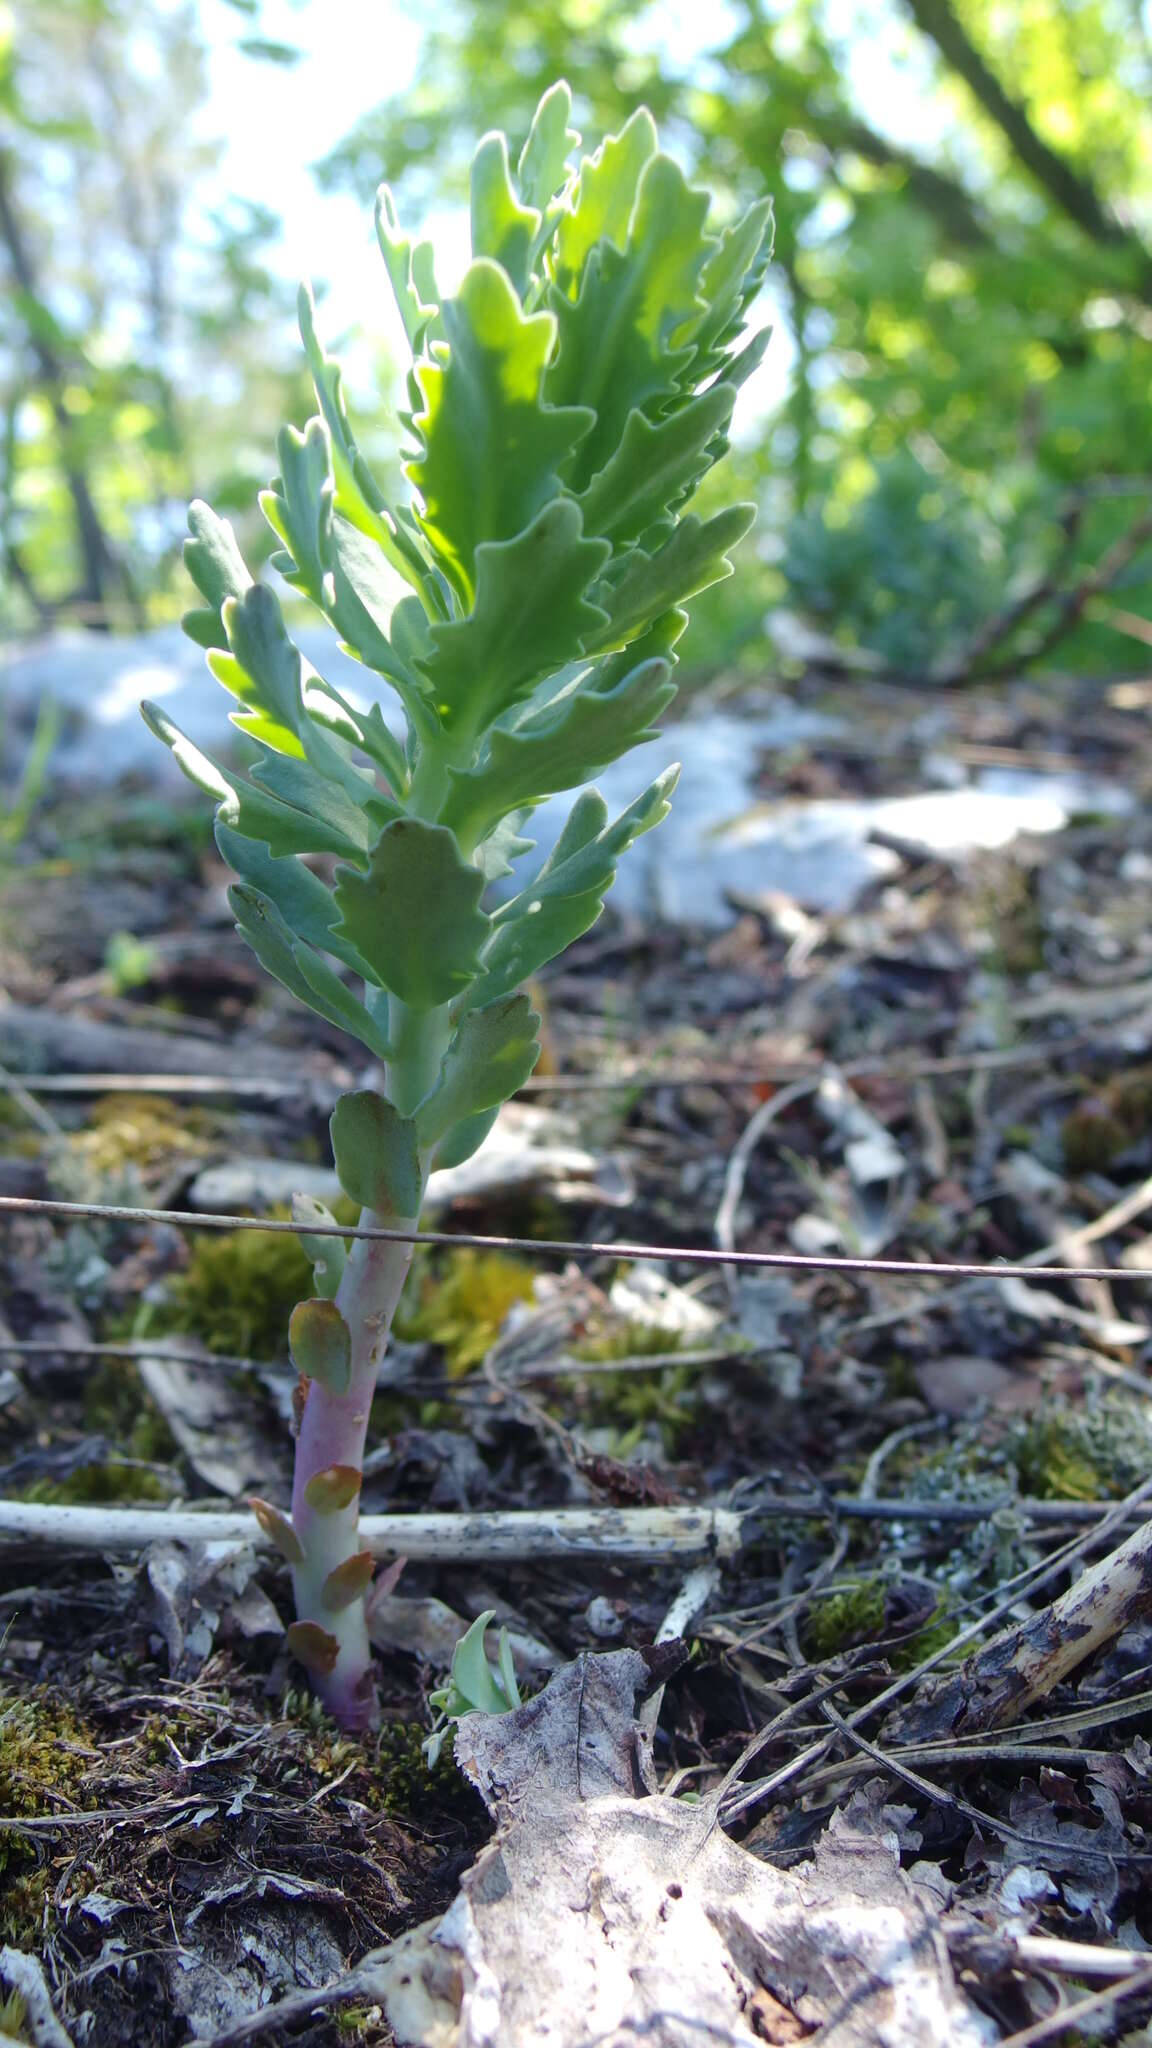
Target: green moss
899,1375
354,2020
110,1482
854,1613
116,1405
1053,1462
1109,1122
23,1904
627,1339
631,1402
42,1742
1016,922
239,1289
1092,1138
139,1130
934,1636
460,1302
408,1783
1019,1137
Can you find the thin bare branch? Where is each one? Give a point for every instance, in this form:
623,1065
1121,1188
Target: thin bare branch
575,1248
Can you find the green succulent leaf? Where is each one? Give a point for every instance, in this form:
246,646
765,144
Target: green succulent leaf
370,622
475,1686
217,568
729,282
300,968
566,897
415,915
465,1139
578,732
604,198
298,507
492,447
242,806
503,227
531,612
320,1344
357,495
299,784
491,1055
377,1154
624,342
543,166
306,904
694,557
329,1255
655,466
410,270
261,666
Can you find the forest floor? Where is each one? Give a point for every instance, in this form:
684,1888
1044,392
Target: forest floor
956,1069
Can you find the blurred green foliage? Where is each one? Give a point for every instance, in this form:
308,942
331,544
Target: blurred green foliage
135,363
964,211
962,284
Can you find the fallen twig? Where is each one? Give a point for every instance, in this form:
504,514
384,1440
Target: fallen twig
656,1534
1069,2016
1001,1681
23,1974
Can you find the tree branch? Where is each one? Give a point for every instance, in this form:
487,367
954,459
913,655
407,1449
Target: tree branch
943,197
1072,191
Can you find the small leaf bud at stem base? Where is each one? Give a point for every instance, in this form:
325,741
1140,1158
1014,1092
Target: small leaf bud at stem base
348,1580
334,1488
278,1529
313,1647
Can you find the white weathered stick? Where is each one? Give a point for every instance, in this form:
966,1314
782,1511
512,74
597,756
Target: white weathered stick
657,1534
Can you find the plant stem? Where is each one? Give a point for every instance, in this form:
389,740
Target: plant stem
331,1441
330,1636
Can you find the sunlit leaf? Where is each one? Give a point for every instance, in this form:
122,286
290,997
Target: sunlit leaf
492,448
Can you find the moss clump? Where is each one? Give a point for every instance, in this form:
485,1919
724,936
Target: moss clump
854,1613
106,1483
1053,1460
23,1906
409,1784
631,1402
935,1635
139,1130
116,1405
239,1289
1109,1123
42,1745
460,1303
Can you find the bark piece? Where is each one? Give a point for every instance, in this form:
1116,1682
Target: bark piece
1023,1664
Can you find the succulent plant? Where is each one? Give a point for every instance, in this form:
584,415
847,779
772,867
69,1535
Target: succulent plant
522,611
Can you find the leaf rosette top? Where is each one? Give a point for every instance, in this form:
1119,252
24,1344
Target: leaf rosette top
563,406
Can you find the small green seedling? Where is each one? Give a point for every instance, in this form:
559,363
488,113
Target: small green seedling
475,1685
564,404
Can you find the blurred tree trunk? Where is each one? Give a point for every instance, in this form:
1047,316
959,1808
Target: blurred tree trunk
102,570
